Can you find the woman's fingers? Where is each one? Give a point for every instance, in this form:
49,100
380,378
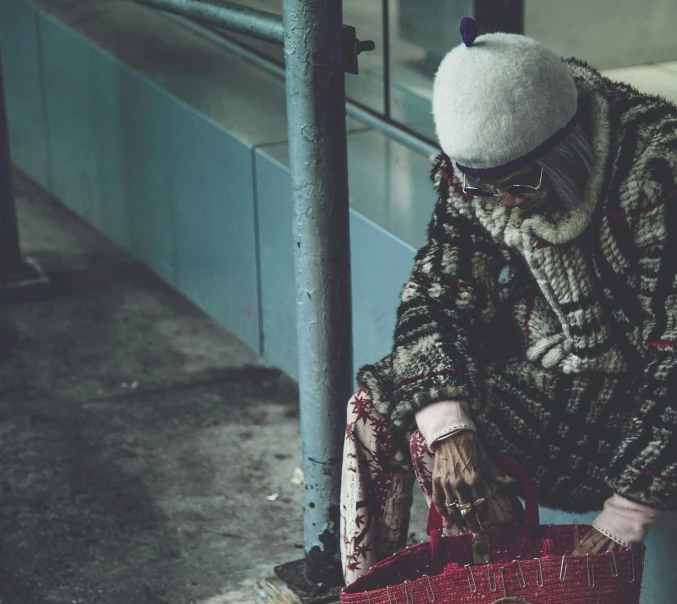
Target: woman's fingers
471,511
457,520
501,509
593,543
476,516
440,499
481,510
486,504
463,472
453,513
493,473
502,479
443,495
464,512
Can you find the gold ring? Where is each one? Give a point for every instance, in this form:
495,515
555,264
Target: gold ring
464,508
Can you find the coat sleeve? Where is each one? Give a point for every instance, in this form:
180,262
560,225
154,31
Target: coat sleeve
452,288
644,466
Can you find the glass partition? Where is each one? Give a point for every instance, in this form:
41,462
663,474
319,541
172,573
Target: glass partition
635,40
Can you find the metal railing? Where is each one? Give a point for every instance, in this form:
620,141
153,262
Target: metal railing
318,49
251,22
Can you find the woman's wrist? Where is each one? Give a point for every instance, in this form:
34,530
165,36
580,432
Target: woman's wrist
447,437
624,521
442,419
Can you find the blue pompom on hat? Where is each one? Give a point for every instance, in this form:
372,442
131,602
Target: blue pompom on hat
469,30
500,101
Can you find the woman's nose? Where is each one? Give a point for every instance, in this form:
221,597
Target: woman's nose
508,201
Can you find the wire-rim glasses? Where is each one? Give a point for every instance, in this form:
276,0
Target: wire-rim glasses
514,190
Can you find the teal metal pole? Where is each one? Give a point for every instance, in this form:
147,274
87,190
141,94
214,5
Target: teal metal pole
10,254
318,161
242,19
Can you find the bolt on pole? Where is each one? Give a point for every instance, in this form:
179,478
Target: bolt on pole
318,162
10,254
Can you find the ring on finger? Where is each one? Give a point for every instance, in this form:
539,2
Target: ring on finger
456,519
464,508
451,504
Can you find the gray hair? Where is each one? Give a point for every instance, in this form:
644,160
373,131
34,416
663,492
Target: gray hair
568,166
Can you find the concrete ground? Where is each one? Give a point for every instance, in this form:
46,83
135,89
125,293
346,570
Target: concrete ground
138,439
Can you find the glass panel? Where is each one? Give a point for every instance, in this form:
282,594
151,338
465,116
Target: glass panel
421,32
629,40
633,40
366,16
605,33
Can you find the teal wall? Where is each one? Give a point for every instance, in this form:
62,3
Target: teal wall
21,65
184,164
207,209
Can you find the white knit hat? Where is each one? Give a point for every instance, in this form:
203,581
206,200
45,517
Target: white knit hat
500,101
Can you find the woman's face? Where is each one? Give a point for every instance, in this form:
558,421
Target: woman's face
526,176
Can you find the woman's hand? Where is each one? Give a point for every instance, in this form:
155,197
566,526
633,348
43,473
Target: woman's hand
463,473
595,542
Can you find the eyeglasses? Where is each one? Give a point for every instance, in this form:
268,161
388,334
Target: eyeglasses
514,190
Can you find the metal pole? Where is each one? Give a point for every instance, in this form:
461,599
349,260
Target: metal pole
318,162
10,253
385,12
256,23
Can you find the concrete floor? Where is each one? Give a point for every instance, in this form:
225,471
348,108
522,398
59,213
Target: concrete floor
138,439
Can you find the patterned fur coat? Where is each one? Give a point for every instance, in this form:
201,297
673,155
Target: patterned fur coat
559,329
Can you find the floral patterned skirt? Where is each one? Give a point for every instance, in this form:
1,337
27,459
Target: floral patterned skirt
379,466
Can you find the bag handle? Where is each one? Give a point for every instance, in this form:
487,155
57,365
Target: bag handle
531,515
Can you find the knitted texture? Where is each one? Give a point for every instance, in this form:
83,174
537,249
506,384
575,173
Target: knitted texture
568,359
500,99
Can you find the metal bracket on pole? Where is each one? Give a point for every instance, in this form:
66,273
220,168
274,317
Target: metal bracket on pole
352,47
19,278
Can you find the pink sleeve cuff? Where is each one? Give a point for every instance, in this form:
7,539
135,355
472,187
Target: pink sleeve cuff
441,419
625,521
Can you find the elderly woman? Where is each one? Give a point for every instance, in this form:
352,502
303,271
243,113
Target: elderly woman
540,319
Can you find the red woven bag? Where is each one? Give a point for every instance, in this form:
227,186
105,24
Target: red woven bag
531,564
